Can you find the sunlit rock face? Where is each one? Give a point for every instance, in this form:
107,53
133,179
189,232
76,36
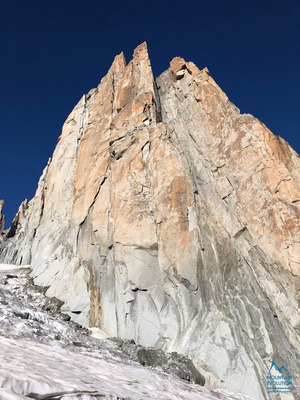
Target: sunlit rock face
168,217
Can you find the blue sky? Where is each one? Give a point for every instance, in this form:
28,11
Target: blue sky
54,51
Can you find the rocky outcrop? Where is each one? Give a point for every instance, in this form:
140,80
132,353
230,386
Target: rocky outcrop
168,217
19,219
171,363
2,220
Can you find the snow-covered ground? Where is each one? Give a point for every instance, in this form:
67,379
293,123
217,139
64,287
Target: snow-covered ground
45,357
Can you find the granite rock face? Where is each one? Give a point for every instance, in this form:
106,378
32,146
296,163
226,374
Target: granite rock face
44,357
168,217
2,220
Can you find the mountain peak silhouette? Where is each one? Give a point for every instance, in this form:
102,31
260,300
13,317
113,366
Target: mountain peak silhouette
279,369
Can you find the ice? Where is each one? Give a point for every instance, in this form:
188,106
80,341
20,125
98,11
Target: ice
40,354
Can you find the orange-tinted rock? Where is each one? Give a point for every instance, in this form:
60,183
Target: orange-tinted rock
167,217
178,67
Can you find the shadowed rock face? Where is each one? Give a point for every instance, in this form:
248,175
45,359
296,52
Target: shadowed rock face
172,363
49,358
167,217
2,220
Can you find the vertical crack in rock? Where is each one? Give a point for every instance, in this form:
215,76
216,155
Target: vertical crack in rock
90,208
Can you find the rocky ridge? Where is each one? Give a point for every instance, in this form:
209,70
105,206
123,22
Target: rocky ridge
167,217
2,220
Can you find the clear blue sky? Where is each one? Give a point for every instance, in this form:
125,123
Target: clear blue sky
53,51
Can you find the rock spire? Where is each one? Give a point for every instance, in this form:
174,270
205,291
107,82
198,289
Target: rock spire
168,217
2,220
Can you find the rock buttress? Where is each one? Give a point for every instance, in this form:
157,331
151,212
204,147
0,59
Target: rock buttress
167,217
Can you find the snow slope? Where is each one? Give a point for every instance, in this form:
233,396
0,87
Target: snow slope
44,357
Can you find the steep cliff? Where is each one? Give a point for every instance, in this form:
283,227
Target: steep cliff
2,221
168,217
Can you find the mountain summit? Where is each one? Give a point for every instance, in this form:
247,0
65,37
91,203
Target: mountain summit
167,217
